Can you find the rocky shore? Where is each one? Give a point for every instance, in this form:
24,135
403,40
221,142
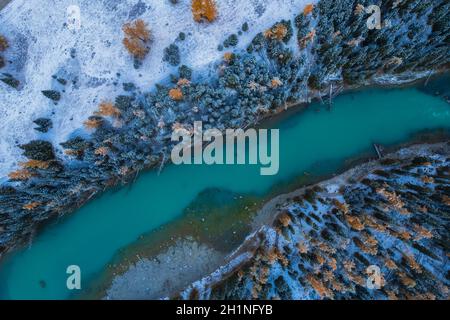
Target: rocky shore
321,241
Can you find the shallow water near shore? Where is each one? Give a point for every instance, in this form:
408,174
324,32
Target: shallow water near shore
315,140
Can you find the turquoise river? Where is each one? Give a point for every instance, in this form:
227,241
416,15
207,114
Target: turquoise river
315,140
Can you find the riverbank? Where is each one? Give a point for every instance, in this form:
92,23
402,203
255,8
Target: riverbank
294,256
125,272
258,212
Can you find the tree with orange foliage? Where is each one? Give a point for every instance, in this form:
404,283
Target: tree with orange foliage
31,206
319,287
354,222
108,109
102,151
137,29
3,46
93,122
277,32
284,219
308,38
35,164
276,82
136,39
176,94
183,82
3,43
228,56
308,9
204,10
22,174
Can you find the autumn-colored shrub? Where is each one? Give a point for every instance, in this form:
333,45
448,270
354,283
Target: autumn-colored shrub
390,264
308,9
3,43
3,46
183,82
228,56
427,179
319,287
276,82
136,39
354,222
31,206
393,200
411,261
93,122
22,174
278,32
108,109
73,153
355,42
35,164
407,281
176,94
102,151
405,235
136,48
446,200
284,219
137,29
341,206
204,10
422,232
307,39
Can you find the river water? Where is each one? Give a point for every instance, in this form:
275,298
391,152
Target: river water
315,140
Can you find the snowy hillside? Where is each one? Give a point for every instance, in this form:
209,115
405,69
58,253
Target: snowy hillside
94,61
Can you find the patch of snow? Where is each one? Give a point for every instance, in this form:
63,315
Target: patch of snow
332,188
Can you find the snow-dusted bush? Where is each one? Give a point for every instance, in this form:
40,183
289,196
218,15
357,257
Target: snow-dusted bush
38,150
204,10
52,95
44,124
172,55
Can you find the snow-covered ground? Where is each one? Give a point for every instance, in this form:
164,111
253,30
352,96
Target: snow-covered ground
41,45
